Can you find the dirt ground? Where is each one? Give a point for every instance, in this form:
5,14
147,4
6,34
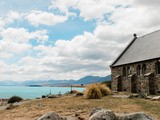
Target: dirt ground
79,106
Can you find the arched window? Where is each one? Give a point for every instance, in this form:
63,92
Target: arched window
144,69
128,71
157,67
124,71
138,70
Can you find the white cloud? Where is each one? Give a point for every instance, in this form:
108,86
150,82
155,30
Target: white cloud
12,16
37,18
4,55
16,40
86,54
9,17
21,35
89,9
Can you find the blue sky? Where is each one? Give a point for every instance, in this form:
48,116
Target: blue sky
61,39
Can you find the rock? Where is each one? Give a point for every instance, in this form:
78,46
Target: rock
134,116
81,118
53,96
148,97
102,115
155,98
133,96
142,95
51,116
94,111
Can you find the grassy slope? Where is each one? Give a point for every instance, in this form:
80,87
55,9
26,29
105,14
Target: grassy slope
69,105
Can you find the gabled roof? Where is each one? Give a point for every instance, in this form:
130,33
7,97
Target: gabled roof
140,49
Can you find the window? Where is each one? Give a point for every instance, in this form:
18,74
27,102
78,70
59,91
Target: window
138,70
124,71
157,67
128,71
144,69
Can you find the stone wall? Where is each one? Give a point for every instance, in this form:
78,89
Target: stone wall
143,83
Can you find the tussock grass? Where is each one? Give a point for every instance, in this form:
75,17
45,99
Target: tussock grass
93,92
97,91
104,90
69,105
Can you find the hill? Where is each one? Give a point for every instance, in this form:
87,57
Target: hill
92,79
84,80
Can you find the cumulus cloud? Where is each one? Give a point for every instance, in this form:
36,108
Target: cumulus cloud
16,40
10,17
83,55
4,55
90,53
89,9
44,18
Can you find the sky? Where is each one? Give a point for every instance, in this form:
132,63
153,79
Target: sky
69,39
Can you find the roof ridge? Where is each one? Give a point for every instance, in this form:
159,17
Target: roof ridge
118,57
130,44
149,33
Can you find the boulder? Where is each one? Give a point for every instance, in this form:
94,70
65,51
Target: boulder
134,116
51,116
142,95
102,115
148,97
94,111
53,96
157,98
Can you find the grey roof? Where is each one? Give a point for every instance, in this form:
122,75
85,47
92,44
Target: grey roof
141,49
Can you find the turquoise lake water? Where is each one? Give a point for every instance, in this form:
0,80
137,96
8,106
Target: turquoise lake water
33,92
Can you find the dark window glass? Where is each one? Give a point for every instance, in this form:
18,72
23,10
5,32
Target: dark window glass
157,67
144,69
124,71
138,70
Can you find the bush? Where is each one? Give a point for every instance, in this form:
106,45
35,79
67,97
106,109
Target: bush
73,92
108,83
104,90
93,92
14,99
79,94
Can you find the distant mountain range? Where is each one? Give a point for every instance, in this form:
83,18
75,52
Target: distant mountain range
84,80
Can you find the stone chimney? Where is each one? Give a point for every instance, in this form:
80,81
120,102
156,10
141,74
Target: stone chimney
135,36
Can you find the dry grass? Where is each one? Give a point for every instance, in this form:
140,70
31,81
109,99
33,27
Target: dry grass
104,90
93,92
70,105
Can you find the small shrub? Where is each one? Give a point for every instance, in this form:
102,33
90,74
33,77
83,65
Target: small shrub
14,99
93,92
104,90
79,94
43,96
73,92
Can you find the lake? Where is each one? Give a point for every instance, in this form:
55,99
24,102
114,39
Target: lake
33,92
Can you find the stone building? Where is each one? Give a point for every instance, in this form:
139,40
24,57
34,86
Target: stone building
137,68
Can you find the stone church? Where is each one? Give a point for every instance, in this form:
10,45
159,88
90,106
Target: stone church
137,68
